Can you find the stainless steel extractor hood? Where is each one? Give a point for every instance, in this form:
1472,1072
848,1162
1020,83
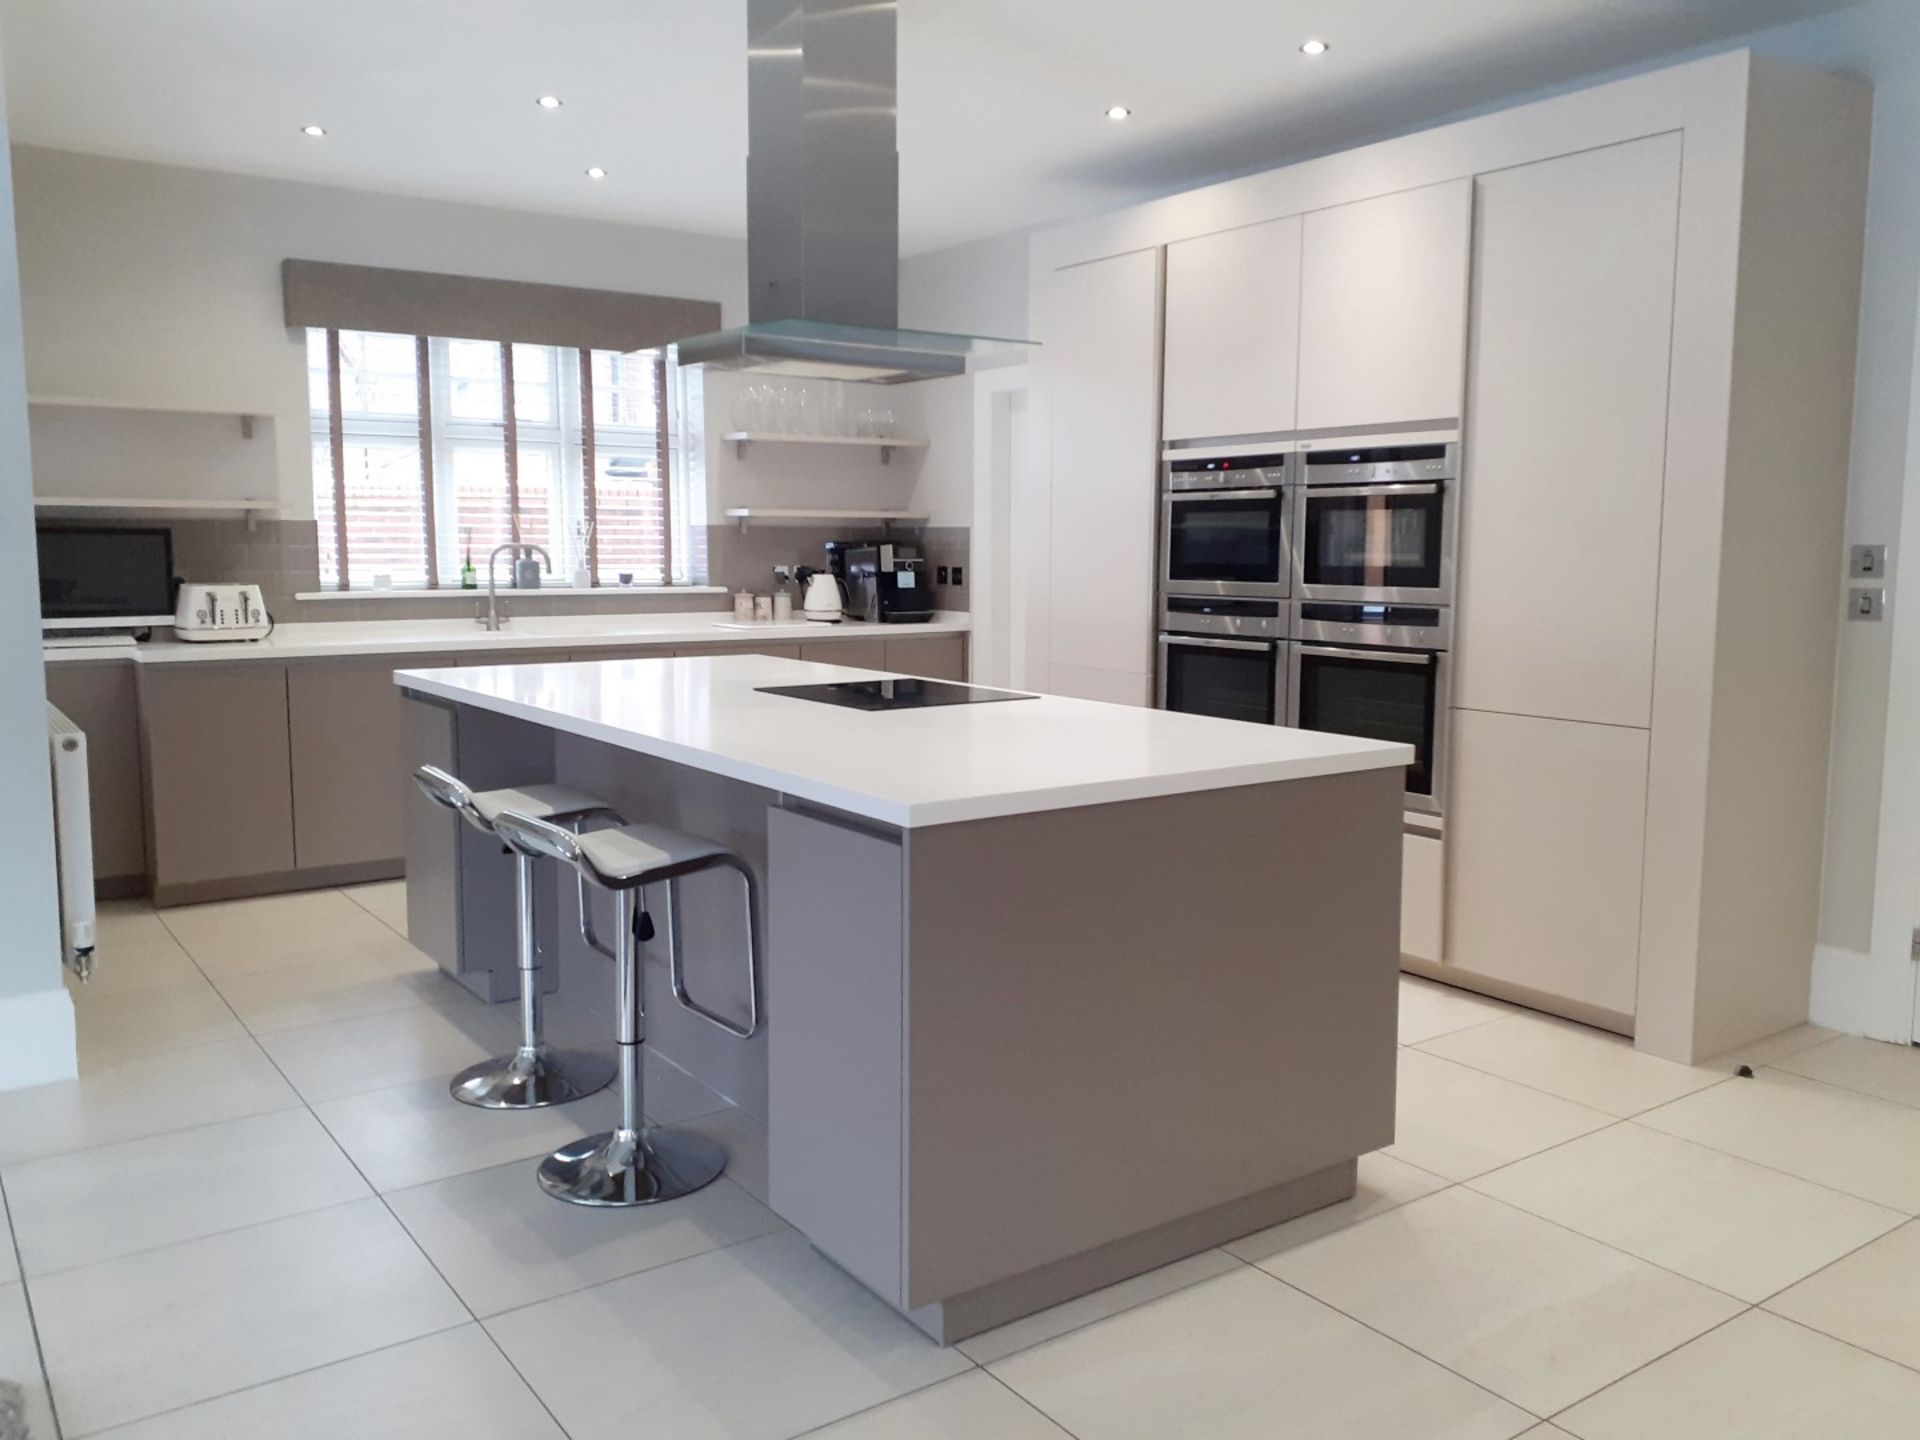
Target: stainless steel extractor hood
823,207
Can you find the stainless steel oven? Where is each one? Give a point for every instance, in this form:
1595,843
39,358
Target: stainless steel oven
1380,672
1224,656
1377,523
1225,525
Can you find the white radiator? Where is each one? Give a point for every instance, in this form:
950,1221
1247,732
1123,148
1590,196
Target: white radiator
73,839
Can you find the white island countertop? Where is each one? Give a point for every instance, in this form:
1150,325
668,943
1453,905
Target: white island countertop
311,640
905,768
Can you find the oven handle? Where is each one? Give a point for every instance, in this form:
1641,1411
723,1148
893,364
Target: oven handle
1385,657
1204,497
1348,492
1167,640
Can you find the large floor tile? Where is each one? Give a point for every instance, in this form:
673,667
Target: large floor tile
365,980
271,932
1871,1298
1457,1122
1241,1357
1771,1049
1757,1378
385,900
756,1342
1589,1067
502,1242
126,922
1870,1066
455,1385
414,1134
1429,1010
973,1406
1384,1183
1525,1308
391,1047
1713,1217
177,1018
149,1332
135,968
745,1139
20,1366
93,1205
146,1095
1031,1330
1838,1138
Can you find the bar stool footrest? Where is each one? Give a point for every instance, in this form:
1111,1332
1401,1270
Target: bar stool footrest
523,1081
621,1168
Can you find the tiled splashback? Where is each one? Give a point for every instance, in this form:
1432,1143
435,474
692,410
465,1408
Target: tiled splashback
282,558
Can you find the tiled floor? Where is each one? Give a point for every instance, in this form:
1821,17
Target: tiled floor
258,1213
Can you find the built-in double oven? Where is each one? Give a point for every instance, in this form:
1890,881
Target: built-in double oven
1310,584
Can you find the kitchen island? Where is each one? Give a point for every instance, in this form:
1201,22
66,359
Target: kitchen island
1056,991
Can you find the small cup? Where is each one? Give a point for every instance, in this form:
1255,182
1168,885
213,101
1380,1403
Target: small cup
626,577
383,582
782,607
763,607
742,605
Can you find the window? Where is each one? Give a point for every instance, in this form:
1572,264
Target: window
418,463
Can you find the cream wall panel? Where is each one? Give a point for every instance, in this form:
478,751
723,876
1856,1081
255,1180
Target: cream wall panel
1383,309
1566,434
1101,351
1233,332
1544,845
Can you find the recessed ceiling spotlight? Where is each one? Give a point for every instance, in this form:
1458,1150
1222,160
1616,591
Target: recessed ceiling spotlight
313,132
1118,112
1315,47
594,172
548,102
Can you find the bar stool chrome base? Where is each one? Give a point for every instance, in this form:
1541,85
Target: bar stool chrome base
626,1167
533,1079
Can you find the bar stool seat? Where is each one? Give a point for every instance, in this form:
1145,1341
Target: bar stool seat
536,1074
639,1163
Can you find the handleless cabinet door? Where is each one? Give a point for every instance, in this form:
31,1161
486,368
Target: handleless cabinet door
1099,327
864,652
1544,848
219,774
1383,308
101,700
936,657
349,773
1233,332
1566,434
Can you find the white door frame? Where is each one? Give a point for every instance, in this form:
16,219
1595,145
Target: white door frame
998,593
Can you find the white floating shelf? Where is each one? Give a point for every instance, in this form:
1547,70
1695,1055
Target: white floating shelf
885,444
757,516
246,418
198,505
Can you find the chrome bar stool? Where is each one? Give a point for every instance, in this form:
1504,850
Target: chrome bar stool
536,1074
640,1164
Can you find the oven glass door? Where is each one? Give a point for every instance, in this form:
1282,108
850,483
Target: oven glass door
1228,679
1384,542
1233,541
1391,695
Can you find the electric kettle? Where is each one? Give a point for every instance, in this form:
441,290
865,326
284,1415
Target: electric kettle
822,599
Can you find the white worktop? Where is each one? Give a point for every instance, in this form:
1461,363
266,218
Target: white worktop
317,639
903,767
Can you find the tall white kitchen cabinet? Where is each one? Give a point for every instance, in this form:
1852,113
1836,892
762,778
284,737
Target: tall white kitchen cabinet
1233,332
1566,438
1383,308
1099,363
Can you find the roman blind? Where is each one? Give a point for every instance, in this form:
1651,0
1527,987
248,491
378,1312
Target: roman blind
320,295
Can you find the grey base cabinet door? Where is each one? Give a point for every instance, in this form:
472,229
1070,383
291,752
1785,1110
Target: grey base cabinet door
219,771
102,700
349,776
936,657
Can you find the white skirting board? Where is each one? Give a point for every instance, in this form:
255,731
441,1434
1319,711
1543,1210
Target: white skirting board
36,1039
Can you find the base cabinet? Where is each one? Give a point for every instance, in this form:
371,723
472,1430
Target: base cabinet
349,776
1545,840
219,772
102,700
937,657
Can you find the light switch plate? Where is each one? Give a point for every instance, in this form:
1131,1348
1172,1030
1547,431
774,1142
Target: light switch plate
1867,562
1866,604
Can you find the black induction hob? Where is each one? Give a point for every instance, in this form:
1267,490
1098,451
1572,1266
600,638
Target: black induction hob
893,694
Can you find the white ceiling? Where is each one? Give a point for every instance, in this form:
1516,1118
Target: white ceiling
1001,101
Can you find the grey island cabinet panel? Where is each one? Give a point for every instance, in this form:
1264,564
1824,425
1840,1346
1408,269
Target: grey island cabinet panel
101,698
219,777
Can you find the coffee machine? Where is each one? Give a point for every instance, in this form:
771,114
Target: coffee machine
885,583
